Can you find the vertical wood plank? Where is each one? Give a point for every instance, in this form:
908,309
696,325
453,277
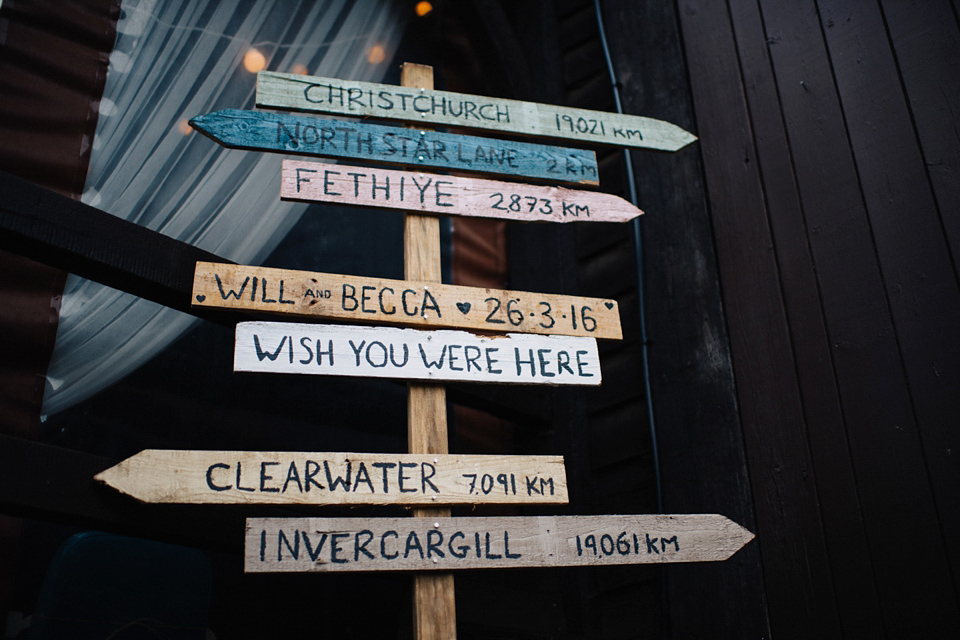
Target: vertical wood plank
916,590
780,467
701,448
842,521
434,605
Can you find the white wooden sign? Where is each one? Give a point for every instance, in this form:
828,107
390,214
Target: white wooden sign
398,302
366,99
388,352
419,544
448,195
258,477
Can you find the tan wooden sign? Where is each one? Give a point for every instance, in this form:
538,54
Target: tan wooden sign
256,477
366,99
388,352
421,304
448,195
419,544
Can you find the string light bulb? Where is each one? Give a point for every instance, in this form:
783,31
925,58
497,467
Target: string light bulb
423,8
376,55
254,61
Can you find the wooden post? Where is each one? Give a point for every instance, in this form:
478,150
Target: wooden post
434,607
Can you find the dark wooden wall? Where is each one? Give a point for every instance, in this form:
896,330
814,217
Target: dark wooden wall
828,136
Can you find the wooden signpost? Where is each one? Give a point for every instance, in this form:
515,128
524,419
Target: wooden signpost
448,195
257,477
423,544
366,99
399,302
410,354
264,131
554,343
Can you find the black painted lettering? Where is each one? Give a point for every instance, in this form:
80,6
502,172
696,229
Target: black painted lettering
263,293
215,487
364,297
438,150
580,365
364,139
432,364
356,182
543,363
321,353
308,474
385,101
327,182
385,188
383,309
472,360
313,553
361,547
401,478
492,361
264,477
335,548
422,189
652,545
532,489
413,544
388,140
519,361
301,179
283,540
309,97
453,357
665,541
370,359
469,109
357,350
442,194
338,481
430,303
403,301
543,486
563,362
292,138
459,551
460,155
326,138
488,555
310,134
385,466
425,477
292,476
506,547
239,473
350,295
383,545
231,292
434,540
363,476
406,356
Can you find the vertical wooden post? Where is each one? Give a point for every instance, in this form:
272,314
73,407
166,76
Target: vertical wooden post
434,610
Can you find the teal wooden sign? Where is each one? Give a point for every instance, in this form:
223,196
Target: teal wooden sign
264,131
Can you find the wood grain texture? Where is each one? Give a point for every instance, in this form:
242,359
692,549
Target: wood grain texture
398,302
265,131
448,195
322,478
434,596
366,99
419,544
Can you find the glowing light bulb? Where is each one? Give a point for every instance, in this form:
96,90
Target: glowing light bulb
300,69
376,54
184,127
254,61
423,8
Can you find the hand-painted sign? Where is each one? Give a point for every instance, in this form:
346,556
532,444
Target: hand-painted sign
264,131
418,544
398,302
346,97
448,195
255,477
388,352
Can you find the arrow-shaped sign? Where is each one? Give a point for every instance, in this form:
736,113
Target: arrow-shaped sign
388,352
448,195
265,131
398,302
257,477
419,544
366,99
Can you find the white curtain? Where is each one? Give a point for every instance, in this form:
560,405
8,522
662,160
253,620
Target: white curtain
175,59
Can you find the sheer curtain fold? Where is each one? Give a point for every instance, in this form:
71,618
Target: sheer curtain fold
174,60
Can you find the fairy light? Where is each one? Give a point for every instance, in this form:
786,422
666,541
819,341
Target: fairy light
376,54
423,8
299,69
254,61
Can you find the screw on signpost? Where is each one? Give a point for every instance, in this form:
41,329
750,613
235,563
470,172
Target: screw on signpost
434,611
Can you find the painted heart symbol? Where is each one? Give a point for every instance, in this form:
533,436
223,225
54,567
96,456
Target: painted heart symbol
609,305
464,307
201,297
